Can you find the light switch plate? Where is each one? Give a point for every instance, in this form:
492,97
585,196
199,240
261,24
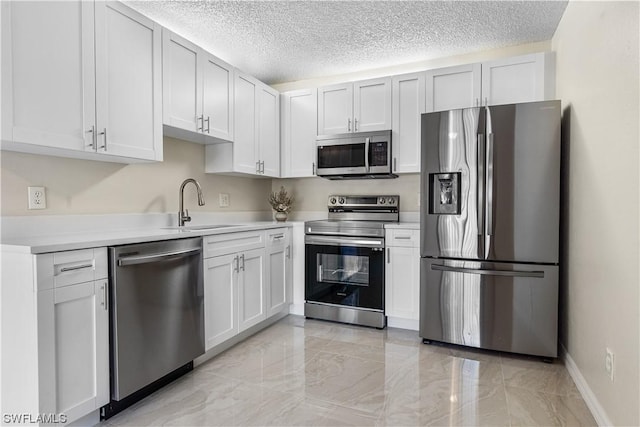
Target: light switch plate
37,198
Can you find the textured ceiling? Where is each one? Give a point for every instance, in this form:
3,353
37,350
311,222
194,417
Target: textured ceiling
283,41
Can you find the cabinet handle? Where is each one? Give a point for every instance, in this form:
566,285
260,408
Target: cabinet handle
76,267
262,166
355,125
201,120
92,131
395,165
104,146
486,101
105,296
208,127
258,167
288,251
402,237
388,255
278,237
349,124
236,259
313,168
242,258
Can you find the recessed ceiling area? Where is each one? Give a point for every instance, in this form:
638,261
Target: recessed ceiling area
284,41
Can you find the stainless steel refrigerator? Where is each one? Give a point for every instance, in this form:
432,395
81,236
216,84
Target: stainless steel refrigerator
490,191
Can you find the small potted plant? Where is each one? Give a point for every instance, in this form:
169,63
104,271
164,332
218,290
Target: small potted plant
281,202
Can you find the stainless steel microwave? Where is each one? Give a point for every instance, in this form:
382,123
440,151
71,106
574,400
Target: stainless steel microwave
355,155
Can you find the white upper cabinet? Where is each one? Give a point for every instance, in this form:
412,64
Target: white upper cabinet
372,105
256,146
335,109
269,131
299,112
198,92
128,83
355,107
453,87
525,78
408,104
81,79
48,75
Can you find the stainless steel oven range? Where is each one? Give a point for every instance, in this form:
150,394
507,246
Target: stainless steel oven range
345,260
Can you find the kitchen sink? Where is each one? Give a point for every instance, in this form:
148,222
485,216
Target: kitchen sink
200,227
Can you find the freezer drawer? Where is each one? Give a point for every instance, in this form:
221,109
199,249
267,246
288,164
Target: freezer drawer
497,306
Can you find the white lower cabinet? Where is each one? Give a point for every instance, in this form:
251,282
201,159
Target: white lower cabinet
247,279
402,278
81,322
55,357
279,270
220,299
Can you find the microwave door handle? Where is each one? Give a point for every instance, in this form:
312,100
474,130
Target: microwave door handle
366,154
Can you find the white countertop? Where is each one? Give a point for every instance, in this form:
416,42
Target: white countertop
84,240
406,225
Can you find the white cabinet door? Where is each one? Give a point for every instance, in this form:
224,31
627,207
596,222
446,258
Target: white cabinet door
182,94
453,87
278,275
220,299
299,113
128,81
335,109
268,131
81,322
217,103
48,81
244,145
525,78
402,293
251,285
408,103
372,105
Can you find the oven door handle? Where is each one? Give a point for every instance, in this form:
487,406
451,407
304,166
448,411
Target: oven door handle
344,241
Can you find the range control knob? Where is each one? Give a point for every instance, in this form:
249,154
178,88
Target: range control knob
392,200
332,200
382,201
341,201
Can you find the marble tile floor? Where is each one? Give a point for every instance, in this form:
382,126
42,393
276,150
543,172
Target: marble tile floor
301,372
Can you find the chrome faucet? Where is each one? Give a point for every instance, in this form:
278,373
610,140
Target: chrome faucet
183,216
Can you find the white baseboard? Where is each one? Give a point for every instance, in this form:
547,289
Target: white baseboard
401,323
589,397
296,309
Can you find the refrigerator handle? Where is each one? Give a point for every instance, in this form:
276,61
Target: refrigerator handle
487,272
480,184
489,214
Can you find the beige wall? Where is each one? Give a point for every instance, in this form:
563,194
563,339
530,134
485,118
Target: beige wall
597,77
311,193
90,187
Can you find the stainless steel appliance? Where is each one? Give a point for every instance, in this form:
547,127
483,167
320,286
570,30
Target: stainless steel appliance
354,155
345,260
490,227
157,316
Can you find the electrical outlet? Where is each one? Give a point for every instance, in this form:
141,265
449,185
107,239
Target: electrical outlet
609,364
223,200
37,198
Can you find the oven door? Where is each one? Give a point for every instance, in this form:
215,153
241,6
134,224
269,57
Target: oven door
345,271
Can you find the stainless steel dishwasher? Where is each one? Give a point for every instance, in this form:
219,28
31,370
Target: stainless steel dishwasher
157,316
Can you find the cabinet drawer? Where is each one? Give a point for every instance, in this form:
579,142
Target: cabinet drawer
403,238
223,244
71,267
276,237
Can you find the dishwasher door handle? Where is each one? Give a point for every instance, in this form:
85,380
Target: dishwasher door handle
165,256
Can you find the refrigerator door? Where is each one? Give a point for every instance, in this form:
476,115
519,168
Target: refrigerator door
497,306
522,175
452,184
